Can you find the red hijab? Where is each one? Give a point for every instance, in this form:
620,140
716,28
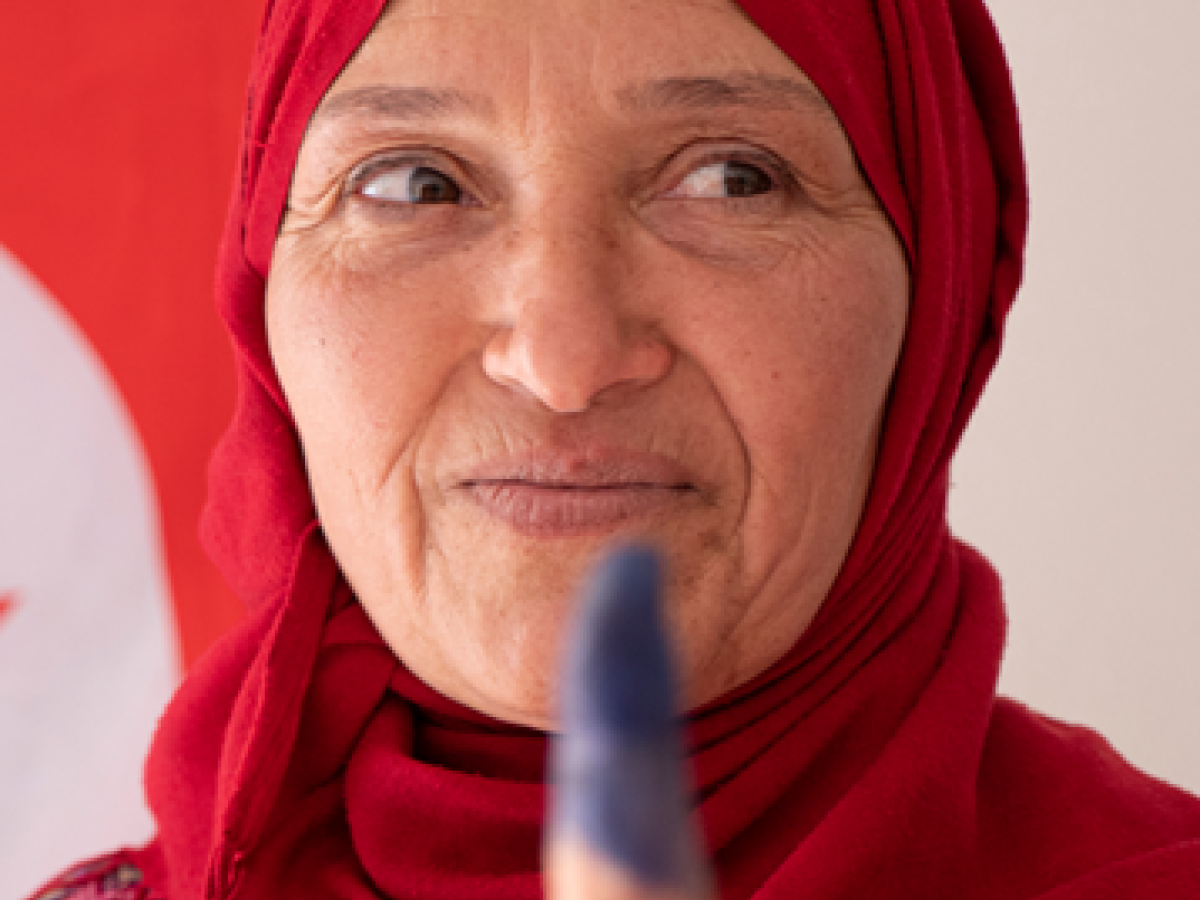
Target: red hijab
300,759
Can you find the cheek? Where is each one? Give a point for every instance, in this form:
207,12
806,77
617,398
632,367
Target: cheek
802,357
362,355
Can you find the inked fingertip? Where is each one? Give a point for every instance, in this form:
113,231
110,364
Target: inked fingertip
619,676
620,790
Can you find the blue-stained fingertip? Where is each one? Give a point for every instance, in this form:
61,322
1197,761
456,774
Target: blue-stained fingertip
619,782
619,680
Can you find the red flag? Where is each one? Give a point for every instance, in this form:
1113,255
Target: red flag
120,124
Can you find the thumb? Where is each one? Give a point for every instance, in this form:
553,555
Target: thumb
619,824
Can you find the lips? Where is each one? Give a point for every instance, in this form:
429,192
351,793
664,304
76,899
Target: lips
552,494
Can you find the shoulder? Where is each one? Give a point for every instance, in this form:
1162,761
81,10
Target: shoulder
1075,765
114,876
1057,803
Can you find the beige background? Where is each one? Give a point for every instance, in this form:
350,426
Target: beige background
1080,477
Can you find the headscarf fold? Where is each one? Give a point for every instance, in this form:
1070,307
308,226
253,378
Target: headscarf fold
300,758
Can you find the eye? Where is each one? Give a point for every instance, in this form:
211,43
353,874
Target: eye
391,181
725,179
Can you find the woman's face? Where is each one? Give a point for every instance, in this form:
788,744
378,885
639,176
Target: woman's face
559,272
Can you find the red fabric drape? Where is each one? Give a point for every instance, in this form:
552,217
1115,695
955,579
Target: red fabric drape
300,759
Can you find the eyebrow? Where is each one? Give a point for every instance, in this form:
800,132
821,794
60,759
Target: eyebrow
738,90
746,90
415,103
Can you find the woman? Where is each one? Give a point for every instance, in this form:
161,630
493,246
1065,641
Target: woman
508,281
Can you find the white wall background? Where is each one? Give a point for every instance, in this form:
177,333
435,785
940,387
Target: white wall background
1080,476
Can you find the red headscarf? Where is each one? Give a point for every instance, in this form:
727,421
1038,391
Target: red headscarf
300,759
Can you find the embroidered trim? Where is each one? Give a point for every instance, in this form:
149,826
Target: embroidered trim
110,877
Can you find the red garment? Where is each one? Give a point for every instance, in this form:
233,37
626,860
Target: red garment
301,760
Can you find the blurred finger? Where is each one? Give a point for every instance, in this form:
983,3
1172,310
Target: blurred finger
620,824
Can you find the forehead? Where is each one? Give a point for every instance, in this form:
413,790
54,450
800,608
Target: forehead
430,58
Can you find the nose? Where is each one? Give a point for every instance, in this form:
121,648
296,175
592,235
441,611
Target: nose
572,327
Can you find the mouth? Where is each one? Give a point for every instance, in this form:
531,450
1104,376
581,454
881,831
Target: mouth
594,492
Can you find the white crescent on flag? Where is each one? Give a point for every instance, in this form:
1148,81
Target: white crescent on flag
87,642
